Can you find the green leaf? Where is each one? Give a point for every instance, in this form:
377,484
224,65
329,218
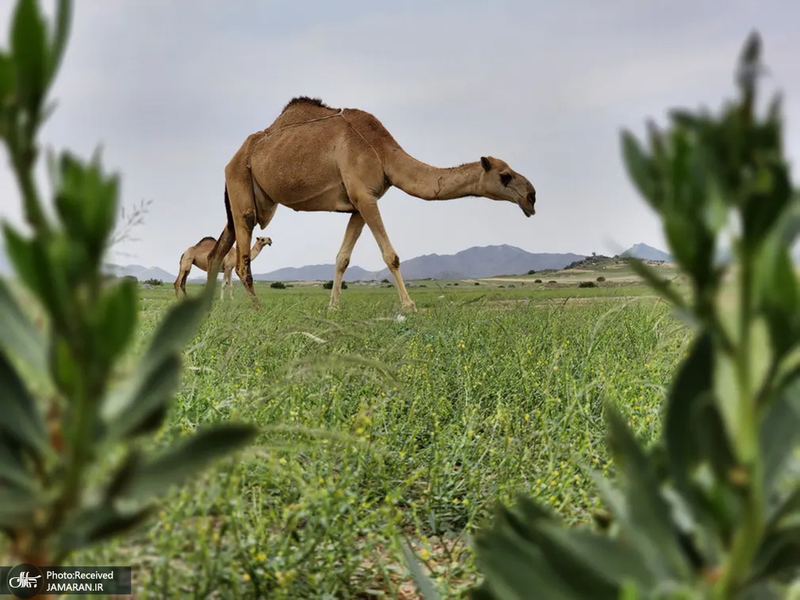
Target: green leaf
780,434
176,329
116,316
727,394
86,201
11,469
20,418
18,336
662,286
60,36
640,169
187,459
16,508
778,556
605,564
8,78
96,524
514,568
123,476
649,521
140,406
690,388
29,47
424,584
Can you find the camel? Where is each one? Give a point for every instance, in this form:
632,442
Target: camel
197,256
317,158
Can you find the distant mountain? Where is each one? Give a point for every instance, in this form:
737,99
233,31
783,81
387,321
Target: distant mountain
645,252
315,273
141,273
486,261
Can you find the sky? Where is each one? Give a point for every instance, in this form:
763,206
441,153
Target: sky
169,89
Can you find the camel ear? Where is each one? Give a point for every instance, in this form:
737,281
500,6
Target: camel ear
485,163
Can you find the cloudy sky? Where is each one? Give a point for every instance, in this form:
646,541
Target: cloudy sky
171,88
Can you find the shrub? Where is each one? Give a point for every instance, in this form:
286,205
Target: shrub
552,281
711,510
587,284
152,282
384,281
328,285
537,281
70,398
477,283
277,285
601,279
531,272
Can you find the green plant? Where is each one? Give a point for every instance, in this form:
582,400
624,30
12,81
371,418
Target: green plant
72,468
153,282
277,285
601,279
587,284
711,510
328,285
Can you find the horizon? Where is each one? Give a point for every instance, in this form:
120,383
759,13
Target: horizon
197,274
170,95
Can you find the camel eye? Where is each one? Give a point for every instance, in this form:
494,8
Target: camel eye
505,178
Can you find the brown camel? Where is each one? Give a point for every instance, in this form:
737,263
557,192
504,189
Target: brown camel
197,256
317,158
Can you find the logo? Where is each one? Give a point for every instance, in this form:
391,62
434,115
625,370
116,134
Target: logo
25,581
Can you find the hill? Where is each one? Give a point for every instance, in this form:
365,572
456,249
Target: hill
645,252
141,273
485,261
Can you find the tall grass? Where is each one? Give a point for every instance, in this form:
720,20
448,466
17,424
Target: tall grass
378,429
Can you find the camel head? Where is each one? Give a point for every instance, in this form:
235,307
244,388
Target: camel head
500,182
263,241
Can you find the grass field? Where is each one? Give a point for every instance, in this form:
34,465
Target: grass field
377,429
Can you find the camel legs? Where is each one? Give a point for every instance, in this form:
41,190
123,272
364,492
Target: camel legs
183,275
221,249
226,282
354,227
368,207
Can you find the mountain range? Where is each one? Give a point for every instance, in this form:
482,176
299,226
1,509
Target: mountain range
475,262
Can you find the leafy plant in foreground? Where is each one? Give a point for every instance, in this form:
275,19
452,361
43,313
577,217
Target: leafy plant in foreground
712,510
64,406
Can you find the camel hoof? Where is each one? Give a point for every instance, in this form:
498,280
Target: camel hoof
333,307
411,307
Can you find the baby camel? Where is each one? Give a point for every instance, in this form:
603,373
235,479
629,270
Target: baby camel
317,158
197,256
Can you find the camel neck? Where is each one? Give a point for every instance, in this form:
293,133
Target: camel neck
432,183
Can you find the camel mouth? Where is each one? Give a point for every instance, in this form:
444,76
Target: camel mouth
528,212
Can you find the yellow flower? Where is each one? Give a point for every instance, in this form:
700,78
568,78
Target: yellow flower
424,554
527,417
261,557
282,461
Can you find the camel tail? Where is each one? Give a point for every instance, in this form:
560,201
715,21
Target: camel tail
228,209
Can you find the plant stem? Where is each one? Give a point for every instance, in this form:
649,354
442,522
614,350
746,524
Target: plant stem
747,538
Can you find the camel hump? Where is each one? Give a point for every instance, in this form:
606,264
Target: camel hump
304,100
208,238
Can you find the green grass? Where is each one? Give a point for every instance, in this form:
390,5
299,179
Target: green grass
377,429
